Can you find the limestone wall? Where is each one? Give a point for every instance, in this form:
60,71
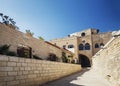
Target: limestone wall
15,38
100,38
107,61
67,41
8,35
16,71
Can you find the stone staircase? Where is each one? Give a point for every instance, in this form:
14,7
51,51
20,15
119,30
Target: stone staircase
106,62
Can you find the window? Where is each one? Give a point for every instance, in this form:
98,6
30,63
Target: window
87,46
71,46
101,44
82,34
64,46
96,45
81,47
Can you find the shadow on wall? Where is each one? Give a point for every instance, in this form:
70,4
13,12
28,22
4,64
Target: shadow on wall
67,81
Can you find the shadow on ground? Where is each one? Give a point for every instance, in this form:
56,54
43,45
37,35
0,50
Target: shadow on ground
66,80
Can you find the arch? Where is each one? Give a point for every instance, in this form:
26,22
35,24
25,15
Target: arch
84,61
81,47
71,46
87,46
82,34
96,45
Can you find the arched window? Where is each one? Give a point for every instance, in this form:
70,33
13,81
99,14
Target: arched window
81,47
96,45
87,46
82,34
71,46
101,44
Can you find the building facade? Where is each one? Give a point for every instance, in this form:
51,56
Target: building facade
84,44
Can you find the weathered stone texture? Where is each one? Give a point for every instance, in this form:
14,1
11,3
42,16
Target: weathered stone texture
107,62
16,71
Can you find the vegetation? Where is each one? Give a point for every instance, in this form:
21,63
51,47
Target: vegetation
73,61
41,38
29,32
4,50
64,57
7,20
11,53
37,57
52,57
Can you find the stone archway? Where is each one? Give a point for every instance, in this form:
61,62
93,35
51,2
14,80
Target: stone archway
84,61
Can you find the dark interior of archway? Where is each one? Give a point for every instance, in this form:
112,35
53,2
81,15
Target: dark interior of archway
84,61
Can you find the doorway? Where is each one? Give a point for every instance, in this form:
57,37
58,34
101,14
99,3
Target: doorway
84,61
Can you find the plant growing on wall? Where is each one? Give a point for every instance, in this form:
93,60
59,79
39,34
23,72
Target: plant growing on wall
52,57
4,50
29,32
37,57
41,38
64,57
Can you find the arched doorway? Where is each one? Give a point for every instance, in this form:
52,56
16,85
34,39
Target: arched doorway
84,61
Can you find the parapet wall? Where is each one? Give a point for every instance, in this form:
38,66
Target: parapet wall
16,71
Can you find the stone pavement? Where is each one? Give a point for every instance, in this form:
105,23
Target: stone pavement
86,77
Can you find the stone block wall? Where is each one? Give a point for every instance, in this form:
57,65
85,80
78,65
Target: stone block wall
16,71
15,38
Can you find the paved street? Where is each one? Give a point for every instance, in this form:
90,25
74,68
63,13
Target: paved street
85,78
66,80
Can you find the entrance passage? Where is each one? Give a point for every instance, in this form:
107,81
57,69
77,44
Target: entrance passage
84,61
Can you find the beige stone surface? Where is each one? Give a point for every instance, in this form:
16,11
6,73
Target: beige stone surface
91,37
107,62
16,71
15,38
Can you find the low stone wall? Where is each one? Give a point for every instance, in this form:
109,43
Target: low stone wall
16,71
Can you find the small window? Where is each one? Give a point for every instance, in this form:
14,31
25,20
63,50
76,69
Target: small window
64,46
96,45
87,46
101,44
82,34
71,46
81,47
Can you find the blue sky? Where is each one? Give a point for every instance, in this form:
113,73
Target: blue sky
58,18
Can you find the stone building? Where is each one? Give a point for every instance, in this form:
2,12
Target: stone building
25,45
84,44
